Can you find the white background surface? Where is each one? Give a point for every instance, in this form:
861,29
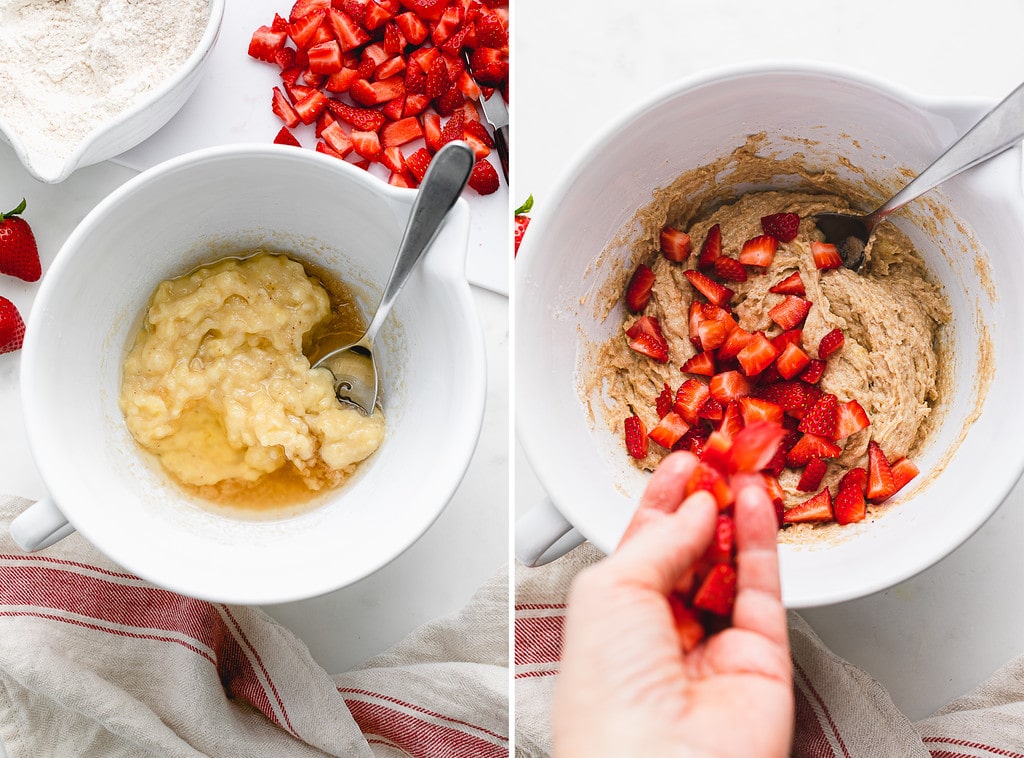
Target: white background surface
468,543
579,66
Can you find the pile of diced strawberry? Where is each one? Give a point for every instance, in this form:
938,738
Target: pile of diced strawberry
373,76
738,378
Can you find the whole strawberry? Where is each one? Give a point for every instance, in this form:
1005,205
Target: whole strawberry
522,220
19,255
12,327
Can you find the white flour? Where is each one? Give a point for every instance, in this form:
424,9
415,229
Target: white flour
68,66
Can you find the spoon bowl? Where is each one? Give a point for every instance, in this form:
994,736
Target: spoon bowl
999,129
353,367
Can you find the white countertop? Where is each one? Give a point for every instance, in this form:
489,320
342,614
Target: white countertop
468,543
578,66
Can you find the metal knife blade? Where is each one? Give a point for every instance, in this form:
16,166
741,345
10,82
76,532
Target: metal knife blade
496,114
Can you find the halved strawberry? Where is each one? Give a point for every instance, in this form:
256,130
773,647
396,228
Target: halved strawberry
675,245
717,593
483,178
830,343
754,446
636,437
728,385
711,248
700,363
812,475
811,446
791,285
722,541
669,430
736,341
646,338
706,477
791,361
716,293
790,312
690,398
759,251
754,409
849,506
781,226
265,43
881,484
903,470
638,291
817,509
729,269
850,419
826,256
663,403
822,417
814,371
757,354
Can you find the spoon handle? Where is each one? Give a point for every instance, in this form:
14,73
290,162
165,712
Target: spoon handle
999,129
443,183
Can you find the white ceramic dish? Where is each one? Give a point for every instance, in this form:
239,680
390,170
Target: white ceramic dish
201,207
582,465
131,126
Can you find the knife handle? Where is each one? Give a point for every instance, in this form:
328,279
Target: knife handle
501,145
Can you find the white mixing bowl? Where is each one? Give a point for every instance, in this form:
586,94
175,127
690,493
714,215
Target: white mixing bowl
973,249
202,207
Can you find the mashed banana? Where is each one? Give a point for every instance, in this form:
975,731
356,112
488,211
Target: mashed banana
217,386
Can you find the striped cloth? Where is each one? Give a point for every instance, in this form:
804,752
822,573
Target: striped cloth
96,662
841,712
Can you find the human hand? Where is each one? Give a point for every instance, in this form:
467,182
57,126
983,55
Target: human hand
625,686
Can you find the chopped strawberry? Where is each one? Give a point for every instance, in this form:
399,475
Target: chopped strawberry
706,477
335,136
903,471
636,437
669,429
366,144
393,159
401,132
732,420
285,137
350,35
690,398
304,28
728,385
811,446
700,363
12,327
826,256
647,339
391,68
417,163
311,106
757,354
689,630
723,541
638,292
454,128
283,109
483,178
850,419
734,343
789,337
729,269
694,440
754,409
305,7
341,81
715,293
478,130
664,402
754,446
376,16
711,249
795,398
849,506
712,410
325,58
830,343
778,461
412,28
790,312
791,285
817,509
814,371
713,332
881,484
675,245
821,418
374,93
265,43
812,475
781,226
437,78
759,251
362,119
791,361
717,593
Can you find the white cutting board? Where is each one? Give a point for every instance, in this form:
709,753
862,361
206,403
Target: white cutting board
232,104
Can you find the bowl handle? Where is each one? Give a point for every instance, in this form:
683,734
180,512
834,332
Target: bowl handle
543,535
39,526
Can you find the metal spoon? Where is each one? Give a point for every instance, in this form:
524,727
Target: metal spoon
1000,129
355,374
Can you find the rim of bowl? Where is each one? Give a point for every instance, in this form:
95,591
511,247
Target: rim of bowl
529,264
454,276
70,165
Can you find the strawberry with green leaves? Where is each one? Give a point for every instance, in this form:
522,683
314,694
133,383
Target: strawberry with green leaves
522,221
19,255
